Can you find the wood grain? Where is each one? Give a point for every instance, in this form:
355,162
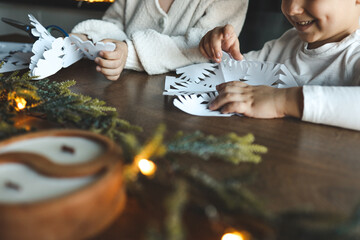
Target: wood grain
307,165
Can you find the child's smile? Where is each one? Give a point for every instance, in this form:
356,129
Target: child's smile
303,25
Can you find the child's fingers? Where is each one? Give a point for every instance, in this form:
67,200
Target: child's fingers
228,97
235,107
111,74
108,63
206,46
203,49
81,36
233,47
118,53
108,71
108,40
231,42
228,31
210,44
222,86
113,55
216,48
216,40
234,50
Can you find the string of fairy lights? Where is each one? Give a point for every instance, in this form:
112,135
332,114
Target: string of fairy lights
148,168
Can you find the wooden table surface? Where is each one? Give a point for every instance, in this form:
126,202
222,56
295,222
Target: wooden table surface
307,165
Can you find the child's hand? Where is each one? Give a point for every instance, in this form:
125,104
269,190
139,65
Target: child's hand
81,36
111,63
258,101
218,39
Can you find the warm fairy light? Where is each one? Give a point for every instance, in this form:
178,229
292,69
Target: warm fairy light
91,1
20,103
147,167
233,236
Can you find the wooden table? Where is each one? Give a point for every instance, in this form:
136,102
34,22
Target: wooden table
307,165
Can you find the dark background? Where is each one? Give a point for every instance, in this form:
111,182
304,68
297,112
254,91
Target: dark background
264,22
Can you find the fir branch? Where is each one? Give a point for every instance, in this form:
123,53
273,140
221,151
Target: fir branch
57,103
61,105
233,197
230,147
175,204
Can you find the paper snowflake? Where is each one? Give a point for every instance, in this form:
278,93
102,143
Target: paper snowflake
197,83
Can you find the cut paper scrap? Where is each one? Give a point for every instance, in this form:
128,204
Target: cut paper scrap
195,82
15,61
90,49
197,72
39,30
7,47
50,61
14,56
198,105
72,53
174,86
257,73
52,54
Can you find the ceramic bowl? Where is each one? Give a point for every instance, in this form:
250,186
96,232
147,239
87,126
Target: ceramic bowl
81,213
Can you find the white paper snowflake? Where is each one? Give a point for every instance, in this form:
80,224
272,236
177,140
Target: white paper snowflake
90,49
197,72
15,61
52,54
198,105
194,82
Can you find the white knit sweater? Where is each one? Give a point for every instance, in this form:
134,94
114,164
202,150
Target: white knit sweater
159,42
322,71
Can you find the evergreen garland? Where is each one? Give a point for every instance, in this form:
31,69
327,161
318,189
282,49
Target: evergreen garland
230,147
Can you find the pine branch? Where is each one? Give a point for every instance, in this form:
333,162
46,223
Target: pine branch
230,147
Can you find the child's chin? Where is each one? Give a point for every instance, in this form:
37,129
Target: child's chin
307,38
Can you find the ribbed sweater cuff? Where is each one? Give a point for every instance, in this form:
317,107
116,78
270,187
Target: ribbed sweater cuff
132,61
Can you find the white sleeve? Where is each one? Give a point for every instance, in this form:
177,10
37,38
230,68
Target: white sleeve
273,50
160,53
111,27
336,106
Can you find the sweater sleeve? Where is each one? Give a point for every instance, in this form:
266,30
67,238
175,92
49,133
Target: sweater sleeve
111,27
336,106
160,53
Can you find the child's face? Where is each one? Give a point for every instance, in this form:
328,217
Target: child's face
322,21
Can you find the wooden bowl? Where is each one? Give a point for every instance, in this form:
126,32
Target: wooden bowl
78,214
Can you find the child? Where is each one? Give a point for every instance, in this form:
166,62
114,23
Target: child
322,52
158,36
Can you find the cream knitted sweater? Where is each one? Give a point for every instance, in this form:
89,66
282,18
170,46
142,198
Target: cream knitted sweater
159,42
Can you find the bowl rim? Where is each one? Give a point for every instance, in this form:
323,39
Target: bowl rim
112,167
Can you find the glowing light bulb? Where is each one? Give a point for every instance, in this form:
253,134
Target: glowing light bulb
20,103
147,167
233,236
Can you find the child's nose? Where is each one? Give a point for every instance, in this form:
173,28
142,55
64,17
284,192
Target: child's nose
293,7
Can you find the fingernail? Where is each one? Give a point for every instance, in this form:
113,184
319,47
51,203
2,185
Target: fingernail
98,69
227,35
97,60
217,60
218,55
101,54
